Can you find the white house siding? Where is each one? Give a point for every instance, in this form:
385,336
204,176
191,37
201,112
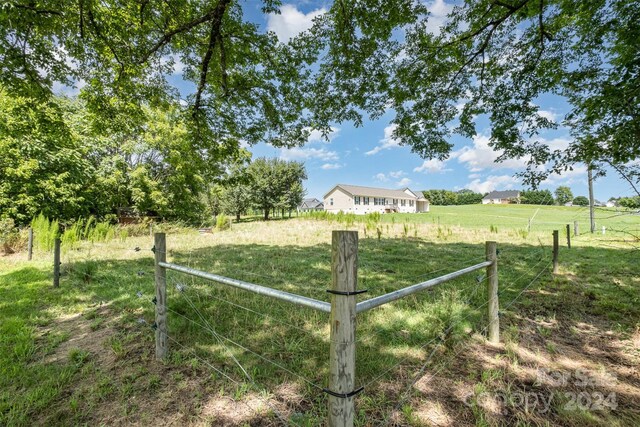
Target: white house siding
337,200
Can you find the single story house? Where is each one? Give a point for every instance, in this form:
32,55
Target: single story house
363,200
501,197
309,205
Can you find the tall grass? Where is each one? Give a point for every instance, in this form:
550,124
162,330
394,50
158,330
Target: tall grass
44,232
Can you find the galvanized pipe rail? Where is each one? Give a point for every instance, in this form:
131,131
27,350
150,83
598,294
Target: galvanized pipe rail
343,310
401,293
252,287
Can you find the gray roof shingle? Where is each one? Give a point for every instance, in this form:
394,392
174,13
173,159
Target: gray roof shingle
507,194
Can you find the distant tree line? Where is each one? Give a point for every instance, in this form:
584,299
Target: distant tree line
448,197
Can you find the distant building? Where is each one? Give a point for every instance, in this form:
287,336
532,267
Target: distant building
309,205
363,200
501,197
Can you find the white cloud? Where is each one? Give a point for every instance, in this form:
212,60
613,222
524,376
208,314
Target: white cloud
291,22
502,182
330,166
397,174
432,166
297,153
438,11
474,176
381,177
481,156
387,142
404,182
547,114
316,135
578,174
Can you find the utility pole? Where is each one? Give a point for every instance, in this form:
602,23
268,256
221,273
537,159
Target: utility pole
592,217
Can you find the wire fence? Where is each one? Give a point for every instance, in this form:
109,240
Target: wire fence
197,294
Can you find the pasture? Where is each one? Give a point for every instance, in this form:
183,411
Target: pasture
84,353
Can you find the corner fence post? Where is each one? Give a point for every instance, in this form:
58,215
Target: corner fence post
160,249
576,230
555,251
56,262
30,245
492,292
342,358
568,236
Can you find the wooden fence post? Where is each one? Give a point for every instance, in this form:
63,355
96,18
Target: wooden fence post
56,262
30,245
492,292
529,225
160,249
555,251
342,358
568,236
576,230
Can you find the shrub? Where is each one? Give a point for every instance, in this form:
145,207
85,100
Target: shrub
72,235
102,232
44,232
223,222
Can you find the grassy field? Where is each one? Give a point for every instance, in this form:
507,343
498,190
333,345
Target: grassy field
84,353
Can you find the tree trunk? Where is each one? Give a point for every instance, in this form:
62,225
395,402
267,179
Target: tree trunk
266,214
238,217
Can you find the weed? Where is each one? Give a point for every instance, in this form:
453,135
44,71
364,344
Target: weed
78,356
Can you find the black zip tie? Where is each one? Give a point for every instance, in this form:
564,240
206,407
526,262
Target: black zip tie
343,395
479,278
137,249
497,251
154,326
153,249
331,291
155,300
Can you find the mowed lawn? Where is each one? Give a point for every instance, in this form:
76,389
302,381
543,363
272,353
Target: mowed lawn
84,353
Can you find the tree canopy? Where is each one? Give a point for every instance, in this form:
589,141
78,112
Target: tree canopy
563,194
491,58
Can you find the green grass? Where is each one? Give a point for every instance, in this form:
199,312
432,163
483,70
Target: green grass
111,286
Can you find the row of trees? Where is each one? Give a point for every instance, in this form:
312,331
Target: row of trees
563,195
58,159
448,197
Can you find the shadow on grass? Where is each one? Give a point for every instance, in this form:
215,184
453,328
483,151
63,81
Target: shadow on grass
597,290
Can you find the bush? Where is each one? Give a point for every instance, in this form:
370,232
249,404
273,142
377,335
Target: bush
223,222
581,201
44,232
72,235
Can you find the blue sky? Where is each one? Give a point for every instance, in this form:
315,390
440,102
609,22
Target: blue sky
369,156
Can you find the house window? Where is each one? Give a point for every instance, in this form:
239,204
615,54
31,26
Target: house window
356,200
366,201
331,202
395,201
379,201
411,203
403,202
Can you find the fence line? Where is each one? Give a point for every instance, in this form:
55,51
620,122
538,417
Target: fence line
342,308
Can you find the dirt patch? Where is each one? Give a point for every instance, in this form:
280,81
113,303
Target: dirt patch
88,331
